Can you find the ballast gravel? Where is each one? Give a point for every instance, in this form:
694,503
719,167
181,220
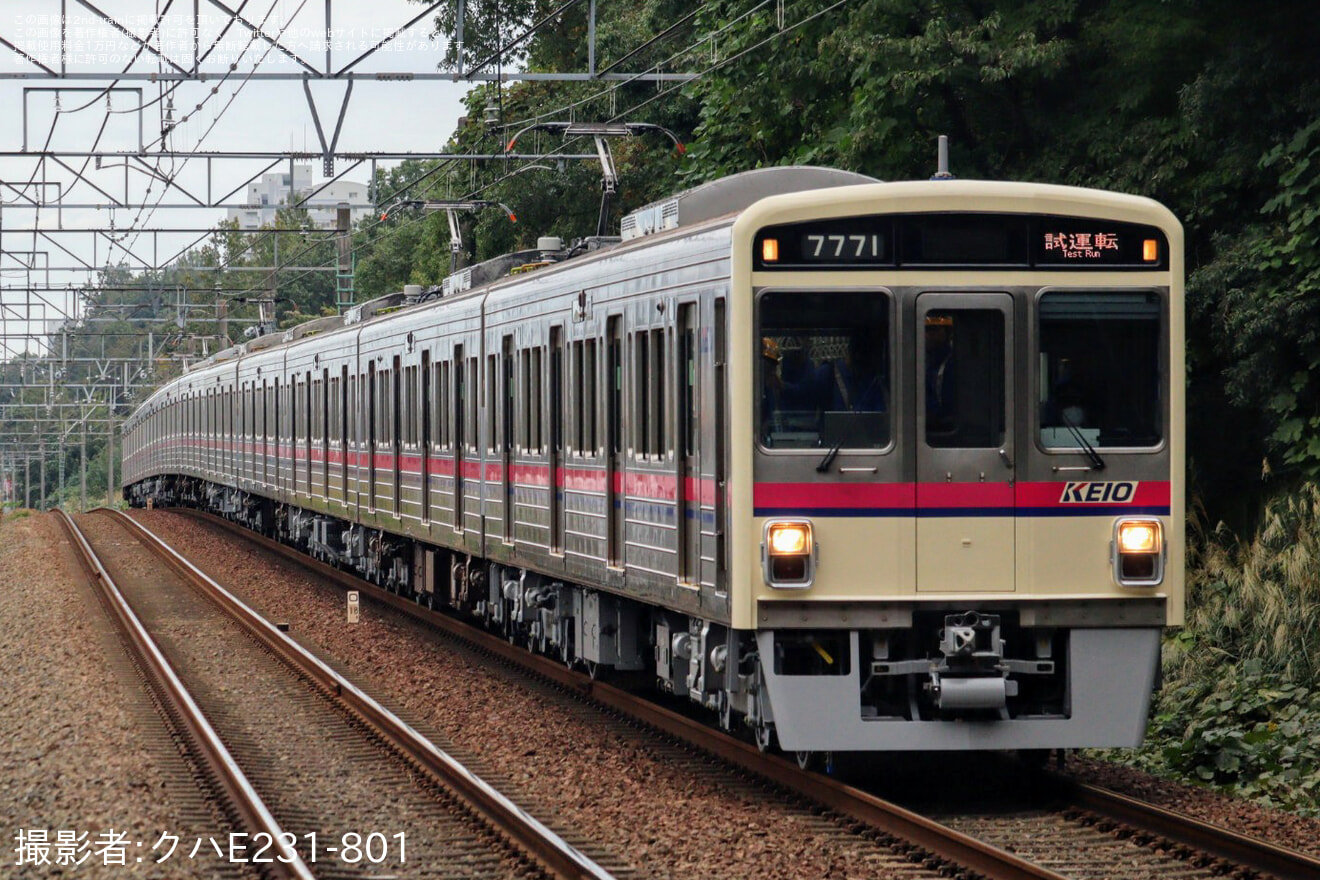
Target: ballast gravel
75,763
610,786
665,811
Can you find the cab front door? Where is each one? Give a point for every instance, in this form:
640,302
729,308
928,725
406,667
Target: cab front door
965,454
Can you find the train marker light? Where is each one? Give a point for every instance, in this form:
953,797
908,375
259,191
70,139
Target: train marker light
1138,552
1150,250
770,250
788,554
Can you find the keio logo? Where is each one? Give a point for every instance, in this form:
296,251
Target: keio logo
1098,493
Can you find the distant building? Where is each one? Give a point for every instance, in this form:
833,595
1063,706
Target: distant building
271,192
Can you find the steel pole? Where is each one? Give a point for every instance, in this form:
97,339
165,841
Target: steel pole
82,464
110,463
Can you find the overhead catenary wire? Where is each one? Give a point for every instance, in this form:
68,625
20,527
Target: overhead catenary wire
167,175
215,90
157,167
447,166
713,67
50,135
614,88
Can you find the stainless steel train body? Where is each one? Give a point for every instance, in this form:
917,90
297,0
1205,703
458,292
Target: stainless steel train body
861,466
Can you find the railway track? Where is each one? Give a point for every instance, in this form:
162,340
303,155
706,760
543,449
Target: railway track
331,764
1228,850
1092,823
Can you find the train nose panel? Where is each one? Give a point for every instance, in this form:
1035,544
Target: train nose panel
965,538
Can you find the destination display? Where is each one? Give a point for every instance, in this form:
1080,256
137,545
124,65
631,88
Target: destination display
974,240
1078,242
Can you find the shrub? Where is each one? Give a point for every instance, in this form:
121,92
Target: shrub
1245,733
1240,709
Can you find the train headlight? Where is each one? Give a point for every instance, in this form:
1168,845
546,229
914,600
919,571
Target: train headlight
788,553
1138,537
1138,552
789,539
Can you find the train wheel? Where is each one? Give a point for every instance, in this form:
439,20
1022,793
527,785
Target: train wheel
726,711
765,736
822,762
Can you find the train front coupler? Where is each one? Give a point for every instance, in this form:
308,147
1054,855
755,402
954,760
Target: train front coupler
973,674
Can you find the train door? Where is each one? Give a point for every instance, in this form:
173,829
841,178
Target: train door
324,395
352,439
252,465
243,426
688,481
614,446
277,435
369,437
253,429
965,454
556,457
263,405
208,433
306,430
720,357
295,416
425,446
463,379
395,428
342,431
507,389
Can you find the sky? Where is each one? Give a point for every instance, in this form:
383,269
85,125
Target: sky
395,116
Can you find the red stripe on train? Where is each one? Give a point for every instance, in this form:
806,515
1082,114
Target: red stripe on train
944,496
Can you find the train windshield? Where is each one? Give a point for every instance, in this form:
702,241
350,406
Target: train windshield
824,377
1099,370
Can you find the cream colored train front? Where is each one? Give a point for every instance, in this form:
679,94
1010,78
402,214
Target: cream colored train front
860,466
960,450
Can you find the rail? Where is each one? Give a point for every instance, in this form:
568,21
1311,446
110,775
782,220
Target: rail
1249,853
1256,855
945,844
548,849
252,811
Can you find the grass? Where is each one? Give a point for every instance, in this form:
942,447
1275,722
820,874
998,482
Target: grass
1258,600
1240,707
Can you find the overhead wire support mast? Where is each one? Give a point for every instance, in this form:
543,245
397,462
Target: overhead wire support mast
173,72
400,76
125,249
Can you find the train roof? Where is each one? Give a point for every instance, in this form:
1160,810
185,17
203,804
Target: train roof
766,190
731,194
708,201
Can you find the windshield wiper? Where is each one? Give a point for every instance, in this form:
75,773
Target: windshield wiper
1097,462
828,460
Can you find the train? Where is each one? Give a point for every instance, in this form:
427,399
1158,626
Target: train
856,466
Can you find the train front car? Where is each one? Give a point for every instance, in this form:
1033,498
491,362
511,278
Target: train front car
957,454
